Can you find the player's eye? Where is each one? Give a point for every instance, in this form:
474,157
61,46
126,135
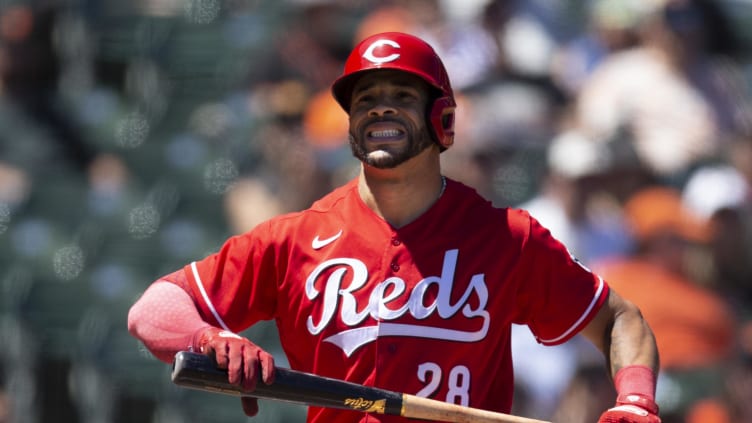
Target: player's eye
362,99
406,96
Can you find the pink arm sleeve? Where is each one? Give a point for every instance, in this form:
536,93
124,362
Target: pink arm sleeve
165,320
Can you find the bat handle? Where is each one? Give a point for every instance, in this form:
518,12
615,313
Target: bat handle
198,371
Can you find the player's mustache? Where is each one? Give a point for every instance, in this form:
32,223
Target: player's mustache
383,119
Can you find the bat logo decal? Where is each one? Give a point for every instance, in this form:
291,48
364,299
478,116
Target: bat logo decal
366,406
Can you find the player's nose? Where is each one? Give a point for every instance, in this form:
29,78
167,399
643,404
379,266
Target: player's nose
382,108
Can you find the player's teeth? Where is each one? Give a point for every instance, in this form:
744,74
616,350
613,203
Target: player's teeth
385,134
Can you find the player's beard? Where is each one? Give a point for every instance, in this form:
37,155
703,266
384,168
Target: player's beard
418,139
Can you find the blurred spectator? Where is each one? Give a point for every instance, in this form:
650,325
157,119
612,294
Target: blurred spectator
577,200
678,93
5,411
738,382
249,202
693,326
29,72
611,27
467,49
314,42
36,140
709,411
387,16
722,193
108,183
587,393
324,122
527,33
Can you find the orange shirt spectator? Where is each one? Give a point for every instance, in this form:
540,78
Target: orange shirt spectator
693,325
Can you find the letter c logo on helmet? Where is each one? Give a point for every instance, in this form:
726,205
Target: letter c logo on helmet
369,54
406,53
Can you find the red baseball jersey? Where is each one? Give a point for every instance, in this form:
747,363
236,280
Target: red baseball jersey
424,309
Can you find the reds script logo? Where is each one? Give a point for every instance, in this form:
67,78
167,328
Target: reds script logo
369,54
386,292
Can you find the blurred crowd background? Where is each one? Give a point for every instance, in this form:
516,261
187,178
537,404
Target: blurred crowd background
136,136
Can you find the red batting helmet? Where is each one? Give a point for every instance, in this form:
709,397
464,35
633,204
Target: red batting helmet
404,52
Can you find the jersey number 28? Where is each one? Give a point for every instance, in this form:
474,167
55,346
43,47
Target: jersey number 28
458,382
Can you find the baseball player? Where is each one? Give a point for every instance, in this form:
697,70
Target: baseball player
402,278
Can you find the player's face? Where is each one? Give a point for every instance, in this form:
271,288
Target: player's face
388,118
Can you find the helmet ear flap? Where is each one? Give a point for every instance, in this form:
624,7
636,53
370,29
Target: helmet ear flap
442,121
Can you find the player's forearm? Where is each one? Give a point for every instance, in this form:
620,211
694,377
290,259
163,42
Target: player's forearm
628,344
630,347
631,340
623,336
165,319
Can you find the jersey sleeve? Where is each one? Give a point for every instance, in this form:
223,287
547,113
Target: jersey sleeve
558,295
236,286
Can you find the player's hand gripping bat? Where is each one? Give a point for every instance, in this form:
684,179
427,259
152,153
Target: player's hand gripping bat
199,371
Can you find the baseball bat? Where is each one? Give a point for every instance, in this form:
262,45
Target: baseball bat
199,371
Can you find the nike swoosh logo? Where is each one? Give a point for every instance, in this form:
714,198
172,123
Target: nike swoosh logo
318,243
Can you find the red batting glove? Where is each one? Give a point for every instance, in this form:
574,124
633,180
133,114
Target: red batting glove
240,357
635,402
643,410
